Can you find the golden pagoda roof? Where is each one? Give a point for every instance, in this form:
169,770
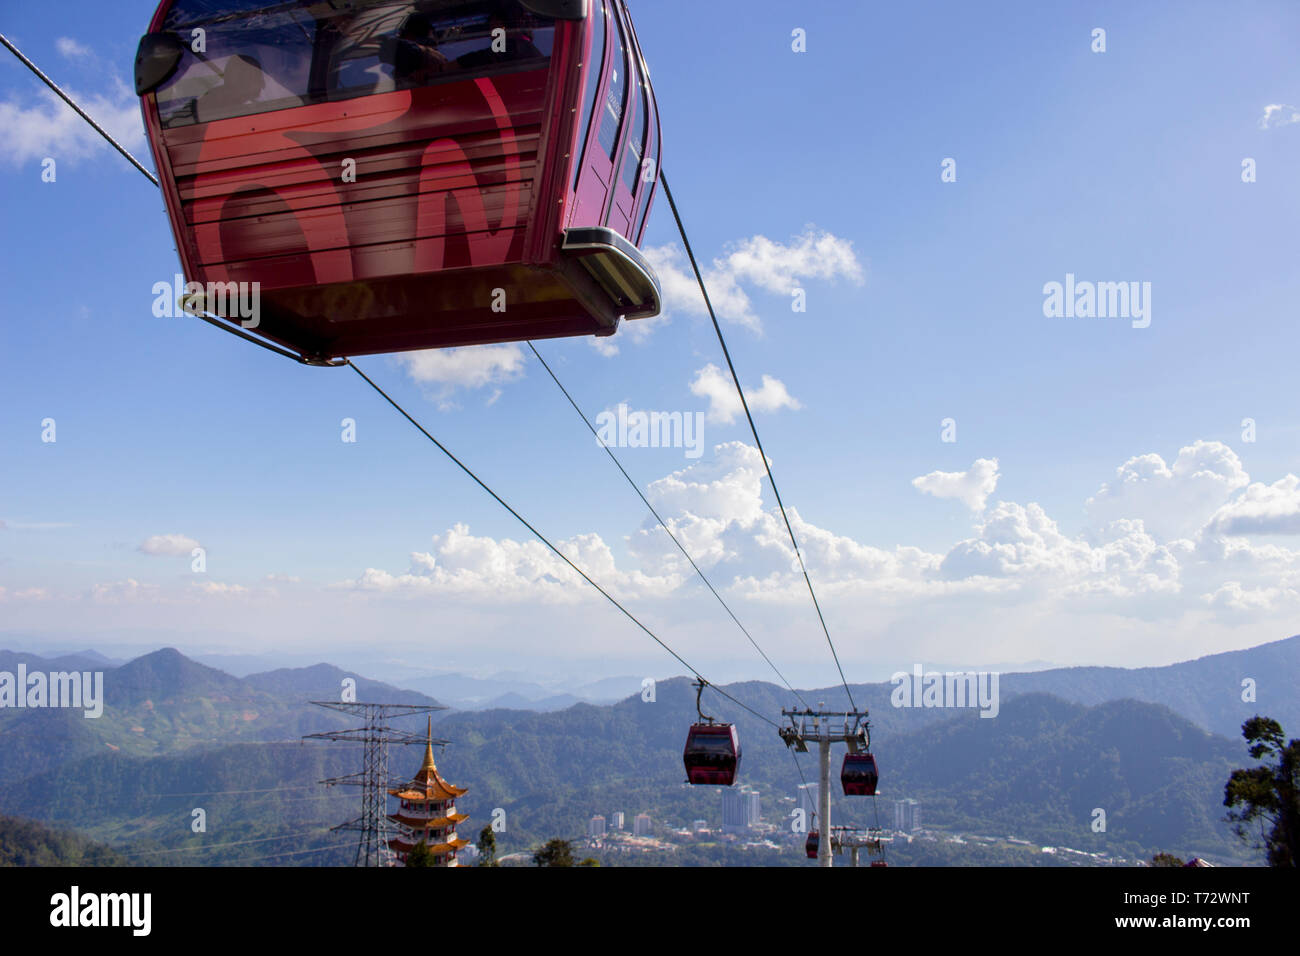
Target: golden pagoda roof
426,823
406,846
428,784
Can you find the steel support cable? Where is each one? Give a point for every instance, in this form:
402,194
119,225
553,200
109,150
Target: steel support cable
84,115
546,541
663,523
699,278
77,109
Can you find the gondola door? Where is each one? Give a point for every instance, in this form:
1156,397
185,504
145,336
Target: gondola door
602,137
627,172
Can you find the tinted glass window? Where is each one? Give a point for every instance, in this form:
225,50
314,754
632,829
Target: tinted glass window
593,80
614,99
254,58
710,745
640,121
643,204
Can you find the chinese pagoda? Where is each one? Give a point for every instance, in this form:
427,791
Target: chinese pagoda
427,813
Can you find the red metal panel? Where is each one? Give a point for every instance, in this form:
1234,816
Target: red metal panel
432,164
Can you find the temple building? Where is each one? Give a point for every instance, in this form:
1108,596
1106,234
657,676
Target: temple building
427,812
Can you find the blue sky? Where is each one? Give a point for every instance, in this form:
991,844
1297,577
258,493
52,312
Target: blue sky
925,302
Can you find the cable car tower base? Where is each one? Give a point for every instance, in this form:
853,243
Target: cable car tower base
826,729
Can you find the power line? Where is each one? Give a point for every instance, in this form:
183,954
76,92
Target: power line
270,856
662,522
754,429
77,109
546,541
218,846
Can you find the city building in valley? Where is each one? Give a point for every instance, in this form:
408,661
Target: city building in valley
808,803
616,820
427,813
596,829
907,815
641,825
740,809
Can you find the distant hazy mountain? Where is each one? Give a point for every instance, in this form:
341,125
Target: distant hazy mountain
1207,691
177,734
325,682
164,702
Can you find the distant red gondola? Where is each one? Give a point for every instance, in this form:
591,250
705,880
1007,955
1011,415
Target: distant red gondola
405,174
712,754
813,844
858,775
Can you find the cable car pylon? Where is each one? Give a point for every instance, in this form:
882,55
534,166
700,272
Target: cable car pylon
854,732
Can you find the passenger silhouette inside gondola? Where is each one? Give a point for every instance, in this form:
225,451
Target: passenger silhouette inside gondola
518,45
415,54
242,83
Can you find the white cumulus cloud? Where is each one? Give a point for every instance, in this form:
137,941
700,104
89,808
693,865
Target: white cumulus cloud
971,487
45,126
168,545
757,263
1261,509
443,371
713,384
1278,114
1175,500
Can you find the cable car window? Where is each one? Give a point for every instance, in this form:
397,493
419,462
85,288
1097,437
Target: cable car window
251,57
711,745
593,81
614,99
640,121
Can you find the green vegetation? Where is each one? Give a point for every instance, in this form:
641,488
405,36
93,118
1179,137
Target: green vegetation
420,855
487,847
27,843
1268,796
554,853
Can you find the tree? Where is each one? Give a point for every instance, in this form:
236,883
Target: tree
1166,859
555,853
589,861
1268,795
420,855
487,847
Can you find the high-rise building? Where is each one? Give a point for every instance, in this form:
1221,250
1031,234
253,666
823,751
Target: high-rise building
733,811
427,813
616,820
700,826
641,825
808,803
596,828
907,815
739,808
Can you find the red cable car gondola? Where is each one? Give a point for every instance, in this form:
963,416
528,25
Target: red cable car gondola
813,844
712,752
858,775
385,175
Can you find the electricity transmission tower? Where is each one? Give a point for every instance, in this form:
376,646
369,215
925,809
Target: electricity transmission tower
846,727
375,734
